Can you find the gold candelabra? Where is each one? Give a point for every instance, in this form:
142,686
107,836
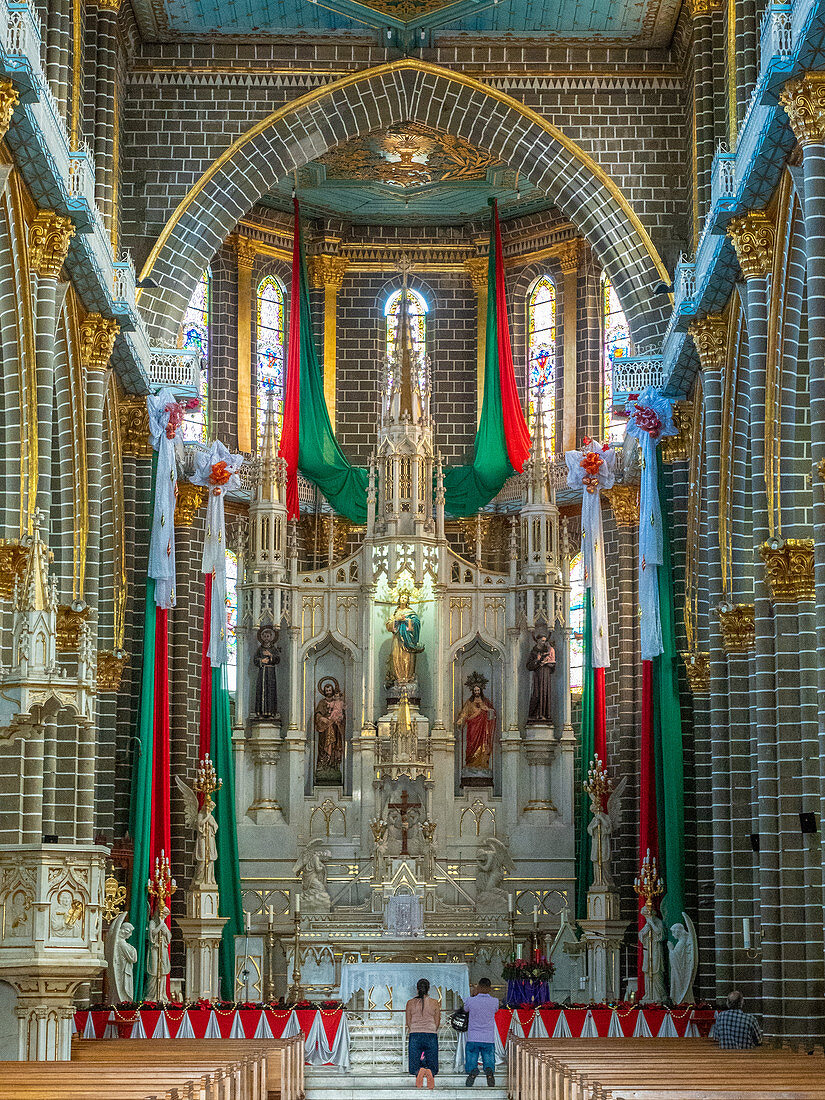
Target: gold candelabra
207,782
270,941
648,884
296,992
598,784
161,885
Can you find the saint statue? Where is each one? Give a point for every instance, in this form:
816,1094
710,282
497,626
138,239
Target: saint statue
330,723
684,962
202,820
542,663
312,874
120,958
604,823
478,717
267,656
492,863
405,626
158,963
651,937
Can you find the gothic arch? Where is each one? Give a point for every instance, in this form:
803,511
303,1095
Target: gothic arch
403,91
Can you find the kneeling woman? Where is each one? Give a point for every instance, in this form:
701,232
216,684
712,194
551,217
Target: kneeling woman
423,1020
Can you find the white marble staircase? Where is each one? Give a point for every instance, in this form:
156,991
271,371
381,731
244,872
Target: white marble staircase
366,1084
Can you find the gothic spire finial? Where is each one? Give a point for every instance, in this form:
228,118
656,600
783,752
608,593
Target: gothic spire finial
538,454
269,480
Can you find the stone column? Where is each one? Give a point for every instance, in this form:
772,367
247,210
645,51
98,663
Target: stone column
105,120
569,262
58,46
246,252
476,268
327,273
702,12
745,56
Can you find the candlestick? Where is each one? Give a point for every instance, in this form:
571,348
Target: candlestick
535,916
511,903
270,916
246,922
297,903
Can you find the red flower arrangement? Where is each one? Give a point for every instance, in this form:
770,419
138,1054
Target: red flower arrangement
527,970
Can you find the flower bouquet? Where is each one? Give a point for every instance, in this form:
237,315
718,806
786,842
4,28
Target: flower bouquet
528,981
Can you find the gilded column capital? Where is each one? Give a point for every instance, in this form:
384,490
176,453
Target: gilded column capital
676,448
327,271
789,569
49,237
697,668
108,5
69,624
710,338
753,236
13,559
698,8
738,623
804,103
97,338
9,98
624,500
476,268
246,250
133,416
190,498
569,253
110,668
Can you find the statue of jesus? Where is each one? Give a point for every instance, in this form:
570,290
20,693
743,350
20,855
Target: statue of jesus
478,717
405,626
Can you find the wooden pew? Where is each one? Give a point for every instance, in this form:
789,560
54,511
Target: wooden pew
282,1059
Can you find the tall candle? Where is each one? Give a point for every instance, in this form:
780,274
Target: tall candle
246,921
297,903
536,915
271,914
510,903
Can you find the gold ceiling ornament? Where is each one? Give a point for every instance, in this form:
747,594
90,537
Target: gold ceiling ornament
49,237
738,626
13,558
624,500
327,271
476,268
110,668
9,98
753,236
97,339
710,338
190,497
676,448
246,250
69,621
804,103
133,415
697,668
569,253
789,569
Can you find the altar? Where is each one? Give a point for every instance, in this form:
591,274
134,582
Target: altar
388,986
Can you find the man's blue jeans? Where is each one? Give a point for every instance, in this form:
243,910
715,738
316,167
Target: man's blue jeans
487,1052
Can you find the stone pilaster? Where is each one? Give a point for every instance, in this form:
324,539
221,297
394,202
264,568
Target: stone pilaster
702,12
105,117
327,273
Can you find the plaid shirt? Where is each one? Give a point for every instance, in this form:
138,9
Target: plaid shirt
736,1030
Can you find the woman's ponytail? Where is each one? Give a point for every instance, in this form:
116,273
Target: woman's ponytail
423,987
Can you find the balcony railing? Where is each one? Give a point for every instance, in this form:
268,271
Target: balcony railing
82,175
723,175
633,375
125,279
177,368
776,39
23,34
684,281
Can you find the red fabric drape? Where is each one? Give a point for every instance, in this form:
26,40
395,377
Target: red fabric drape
290,430
205,727
599,720
516,432
648,824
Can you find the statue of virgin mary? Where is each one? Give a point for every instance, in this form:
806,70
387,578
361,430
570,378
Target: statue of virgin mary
405,627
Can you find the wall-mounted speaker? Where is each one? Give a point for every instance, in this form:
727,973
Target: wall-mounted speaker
807,823
754,839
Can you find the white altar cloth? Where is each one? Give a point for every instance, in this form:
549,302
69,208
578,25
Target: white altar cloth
394,983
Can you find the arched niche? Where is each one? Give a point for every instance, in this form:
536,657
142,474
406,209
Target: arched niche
473,660
329,664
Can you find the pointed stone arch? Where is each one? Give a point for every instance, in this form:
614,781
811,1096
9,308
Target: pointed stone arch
403,91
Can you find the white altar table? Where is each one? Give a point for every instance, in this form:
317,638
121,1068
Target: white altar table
390,985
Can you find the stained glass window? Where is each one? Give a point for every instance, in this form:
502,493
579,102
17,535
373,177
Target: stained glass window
269,343
616,346
576,623
231,618
194,336
417,309
541,355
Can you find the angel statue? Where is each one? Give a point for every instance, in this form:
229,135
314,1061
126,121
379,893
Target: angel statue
201,819
312,872
651,937
684,961
492,863
604,823
120,960
158,963
405,627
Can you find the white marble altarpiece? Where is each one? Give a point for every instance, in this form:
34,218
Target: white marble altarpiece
383,738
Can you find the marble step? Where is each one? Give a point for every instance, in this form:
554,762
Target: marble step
335,1085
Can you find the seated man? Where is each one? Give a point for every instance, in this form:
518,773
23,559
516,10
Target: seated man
735,1029
481,1033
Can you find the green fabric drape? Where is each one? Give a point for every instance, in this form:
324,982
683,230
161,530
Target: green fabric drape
670,784
584,865
468,488
140,809
227,865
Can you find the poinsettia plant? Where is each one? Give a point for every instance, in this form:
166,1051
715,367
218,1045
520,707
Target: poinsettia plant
528,970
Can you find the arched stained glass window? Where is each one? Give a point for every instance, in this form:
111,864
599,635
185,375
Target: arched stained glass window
194,336
616,346
269,347
577,624
231,619
541,356
417,309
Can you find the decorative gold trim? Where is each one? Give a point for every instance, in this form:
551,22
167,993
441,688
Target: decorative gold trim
694,512
13,558
245,252
77,73
77,384
190,498
133,415
569,254
112,419
697,8
789,569
97,339
774,361
49,237
327,271
730,385
820,469
476,268
115,199
317,95
733,118
9,98
754,238
110,670
108,5
27,373
675,448
697,668
68,627
804,103
738,627
710,338
624,500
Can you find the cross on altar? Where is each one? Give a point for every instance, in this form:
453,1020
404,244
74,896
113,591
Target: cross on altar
404,805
